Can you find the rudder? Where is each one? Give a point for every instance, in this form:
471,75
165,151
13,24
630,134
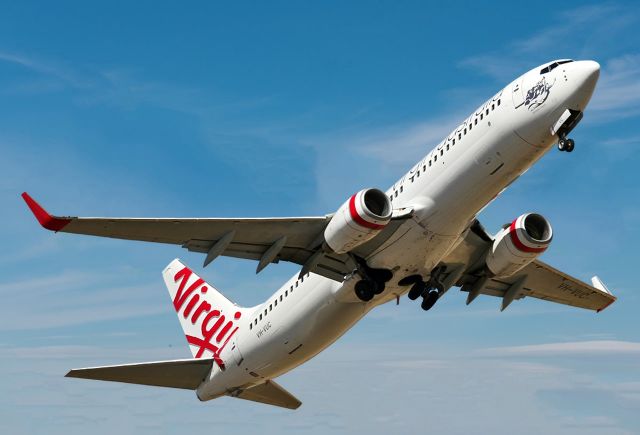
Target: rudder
209,320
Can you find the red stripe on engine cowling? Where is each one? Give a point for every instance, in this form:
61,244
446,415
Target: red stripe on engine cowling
358,219
518,244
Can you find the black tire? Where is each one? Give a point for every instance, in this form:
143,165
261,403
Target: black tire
381,275
363,290
562,145
410,280
377,287
429,300
570,145
416,290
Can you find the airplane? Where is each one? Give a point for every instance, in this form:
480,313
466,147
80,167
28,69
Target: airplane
420,237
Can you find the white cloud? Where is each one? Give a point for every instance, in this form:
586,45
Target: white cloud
596,347
71,298
619,86
340,389
583,32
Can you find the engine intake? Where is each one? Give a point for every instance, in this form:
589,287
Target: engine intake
519,244
358,220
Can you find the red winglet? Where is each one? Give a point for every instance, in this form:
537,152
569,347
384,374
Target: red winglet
46,220
608,303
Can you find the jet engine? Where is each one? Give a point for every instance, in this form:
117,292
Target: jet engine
518,244
358,220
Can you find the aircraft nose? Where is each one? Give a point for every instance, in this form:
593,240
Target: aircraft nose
586,74
590,71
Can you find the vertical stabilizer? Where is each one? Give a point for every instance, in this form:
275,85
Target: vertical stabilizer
209,320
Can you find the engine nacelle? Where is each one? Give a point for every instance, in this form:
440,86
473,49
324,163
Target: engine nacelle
519,244
358,220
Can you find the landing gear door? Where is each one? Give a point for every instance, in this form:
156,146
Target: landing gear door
517,93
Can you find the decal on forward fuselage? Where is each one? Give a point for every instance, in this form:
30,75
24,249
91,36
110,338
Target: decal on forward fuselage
538,94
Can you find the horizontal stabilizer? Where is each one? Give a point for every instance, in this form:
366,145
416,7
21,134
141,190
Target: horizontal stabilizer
186,373
270,393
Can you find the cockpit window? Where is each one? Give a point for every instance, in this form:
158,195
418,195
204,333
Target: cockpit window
554,65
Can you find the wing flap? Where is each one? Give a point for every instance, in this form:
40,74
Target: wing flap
186,374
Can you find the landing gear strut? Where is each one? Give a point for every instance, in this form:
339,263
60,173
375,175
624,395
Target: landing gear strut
373,281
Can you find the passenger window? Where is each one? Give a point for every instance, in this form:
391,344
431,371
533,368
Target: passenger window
270,307
429,162
481,117
396,193
447,147
296,284
435,158
465,131
459,135
302,278
286,293
265,311
401,189
424,168
441,152
487,110
280,298
493,106
250,326
255,321
470,126
260,316
475,121
454,141
498,102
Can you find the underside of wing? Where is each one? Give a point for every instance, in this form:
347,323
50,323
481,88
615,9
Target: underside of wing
186,374
537,279
541,281
265,240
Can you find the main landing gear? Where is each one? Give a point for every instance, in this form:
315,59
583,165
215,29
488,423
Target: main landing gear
565,144
430,290
373,281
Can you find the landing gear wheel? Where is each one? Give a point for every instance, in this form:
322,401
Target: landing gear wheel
429,300
364,290
409,280
377,287
416,290
570,145
562,145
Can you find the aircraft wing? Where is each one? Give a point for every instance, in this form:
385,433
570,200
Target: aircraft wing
267,240
537,279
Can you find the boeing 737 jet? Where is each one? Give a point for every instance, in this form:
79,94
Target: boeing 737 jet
420,237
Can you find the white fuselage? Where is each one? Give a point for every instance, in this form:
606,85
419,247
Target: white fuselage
492,147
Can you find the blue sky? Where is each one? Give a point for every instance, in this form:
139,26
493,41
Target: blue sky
284,109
